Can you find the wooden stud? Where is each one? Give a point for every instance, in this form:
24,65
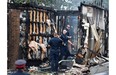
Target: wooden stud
34,28
34,15
30,21
30,15
30,28
37,16
40,22
37,22
33,21
97,46
44,28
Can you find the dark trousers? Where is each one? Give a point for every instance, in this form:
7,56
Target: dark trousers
54,58
64,52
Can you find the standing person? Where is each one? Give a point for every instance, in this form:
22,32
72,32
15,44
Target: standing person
55,44
67,29
20,66
64,49
69,37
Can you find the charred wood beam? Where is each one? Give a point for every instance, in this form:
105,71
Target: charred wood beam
42,35
96,53
92,5
27,6
27,29
67,13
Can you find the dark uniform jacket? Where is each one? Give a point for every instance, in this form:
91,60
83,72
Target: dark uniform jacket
55,43
68,34
19,72
64,39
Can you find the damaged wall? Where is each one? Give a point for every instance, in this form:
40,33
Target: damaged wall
13,37
95,38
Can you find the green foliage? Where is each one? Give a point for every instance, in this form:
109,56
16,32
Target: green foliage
18,1
58,3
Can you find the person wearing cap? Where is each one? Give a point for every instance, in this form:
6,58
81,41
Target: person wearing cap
20,66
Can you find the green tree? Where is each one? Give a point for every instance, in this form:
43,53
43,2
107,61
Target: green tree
58,3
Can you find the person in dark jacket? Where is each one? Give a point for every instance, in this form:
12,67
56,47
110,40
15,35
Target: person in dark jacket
20,67
55,44
67,29
64,49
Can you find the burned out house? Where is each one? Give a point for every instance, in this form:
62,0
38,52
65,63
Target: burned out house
89,28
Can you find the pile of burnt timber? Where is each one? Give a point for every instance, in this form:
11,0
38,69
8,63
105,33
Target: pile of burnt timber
94,28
